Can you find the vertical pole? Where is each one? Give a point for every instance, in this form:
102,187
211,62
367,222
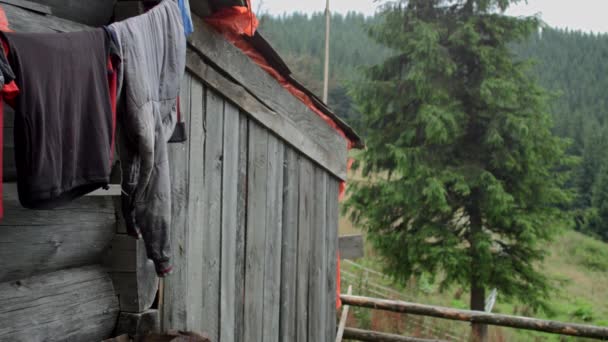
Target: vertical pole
326,71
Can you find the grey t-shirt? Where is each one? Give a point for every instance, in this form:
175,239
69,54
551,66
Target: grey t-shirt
63,116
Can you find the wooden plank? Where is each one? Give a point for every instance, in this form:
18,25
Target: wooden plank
201,8
230,222
132,273
28,5
258,82
333,214
37,241
317,281
138,324
196,207
289,250
78,304
256,232
176,284
90,12
343,318
351,247
333,160
241,228
554,327
112,191
212,207
274,218
22,20
305,228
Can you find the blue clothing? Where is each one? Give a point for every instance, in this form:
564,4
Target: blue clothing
184,7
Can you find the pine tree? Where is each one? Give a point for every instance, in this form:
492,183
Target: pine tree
464,169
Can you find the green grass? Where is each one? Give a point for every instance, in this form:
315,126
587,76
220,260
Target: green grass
577,264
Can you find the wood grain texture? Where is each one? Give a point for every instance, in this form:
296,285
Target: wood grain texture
317,281
212,223
37,241
287,129
174,315
90,12
196,207
351,247
76,304
22,20
241,234
256,233
343,317
138,324
289,250
28,5
333,214
132,273
229,230
518,322
305,228
267,90
274,218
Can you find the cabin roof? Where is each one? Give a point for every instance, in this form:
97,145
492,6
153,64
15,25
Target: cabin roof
205,8
99,12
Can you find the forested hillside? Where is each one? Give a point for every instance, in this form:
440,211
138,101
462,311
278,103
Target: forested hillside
573,66
300,41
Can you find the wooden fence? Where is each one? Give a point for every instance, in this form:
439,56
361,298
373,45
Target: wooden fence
561,328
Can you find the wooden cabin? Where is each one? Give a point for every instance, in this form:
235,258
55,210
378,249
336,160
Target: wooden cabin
255,211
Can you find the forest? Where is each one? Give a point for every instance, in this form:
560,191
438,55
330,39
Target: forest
571,65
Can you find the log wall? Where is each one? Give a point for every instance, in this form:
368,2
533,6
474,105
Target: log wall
254,234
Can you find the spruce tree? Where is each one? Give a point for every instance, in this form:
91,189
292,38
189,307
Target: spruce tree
462,169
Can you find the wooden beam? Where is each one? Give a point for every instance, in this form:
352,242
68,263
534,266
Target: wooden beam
175,308
343,317
240,68
132,273
32,6
373,336
89,12
77,304
138,324
570,329
351,247
331,159
22,20
42,241
289,249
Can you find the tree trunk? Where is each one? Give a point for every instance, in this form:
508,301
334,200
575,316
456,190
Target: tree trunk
479,332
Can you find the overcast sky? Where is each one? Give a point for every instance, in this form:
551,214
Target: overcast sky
586,15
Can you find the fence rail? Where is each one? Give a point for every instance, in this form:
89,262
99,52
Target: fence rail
570,329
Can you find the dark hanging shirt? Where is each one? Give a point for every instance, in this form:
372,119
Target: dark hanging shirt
63,115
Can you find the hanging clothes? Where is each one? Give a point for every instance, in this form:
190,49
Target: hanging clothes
63,115
153,50
184,7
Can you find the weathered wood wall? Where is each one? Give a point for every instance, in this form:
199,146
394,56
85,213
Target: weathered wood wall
255,230
254,220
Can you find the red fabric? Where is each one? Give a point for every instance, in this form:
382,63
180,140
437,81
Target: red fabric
9,92
3,21
112,81
235,20
179,111
235,23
